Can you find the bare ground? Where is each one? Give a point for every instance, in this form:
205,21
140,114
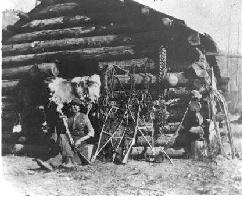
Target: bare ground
135,178
220,176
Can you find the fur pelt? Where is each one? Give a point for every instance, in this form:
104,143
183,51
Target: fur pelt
86,89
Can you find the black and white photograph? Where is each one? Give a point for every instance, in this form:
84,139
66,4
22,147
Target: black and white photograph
121,97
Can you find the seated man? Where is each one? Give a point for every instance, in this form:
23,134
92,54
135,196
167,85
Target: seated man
65,116
81,130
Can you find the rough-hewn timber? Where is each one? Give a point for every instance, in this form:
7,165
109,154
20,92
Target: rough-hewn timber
78,43
99,54
81,31
139,64
18,72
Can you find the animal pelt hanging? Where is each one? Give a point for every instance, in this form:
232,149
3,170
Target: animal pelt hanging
82,90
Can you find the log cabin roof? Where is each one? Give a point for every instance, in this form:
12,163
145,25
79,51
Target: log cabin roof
94,29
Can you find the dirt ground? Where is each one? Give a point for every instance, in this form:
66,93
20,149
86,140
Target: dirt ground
187,176
135,178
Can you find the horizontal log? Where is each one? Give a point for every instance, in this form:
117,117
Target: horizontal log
161,141
78,31
8,106
139,65
94,6
47,69
171,140
53,10
7,126
140,81
141,152
8,137
79,43
116,16
9,116
180,92
8,86
128,10
68,8
170,128
103,53
8,121
8,98
71,21
153,90
50,34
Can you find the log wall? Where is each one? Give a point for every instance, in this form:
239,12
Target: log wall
109,32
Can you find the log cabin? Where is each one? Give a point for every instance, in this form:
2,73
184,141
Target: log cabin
90,36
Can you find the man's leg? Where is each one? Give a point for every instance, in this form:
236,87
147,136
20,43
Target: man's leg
66,151
62,155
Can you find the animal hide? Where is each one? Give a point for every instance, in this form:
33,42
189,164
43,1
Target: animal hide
86,89
94,87
62,91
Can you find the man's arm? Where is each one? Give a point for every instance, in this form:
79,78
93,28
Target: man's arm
90,131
